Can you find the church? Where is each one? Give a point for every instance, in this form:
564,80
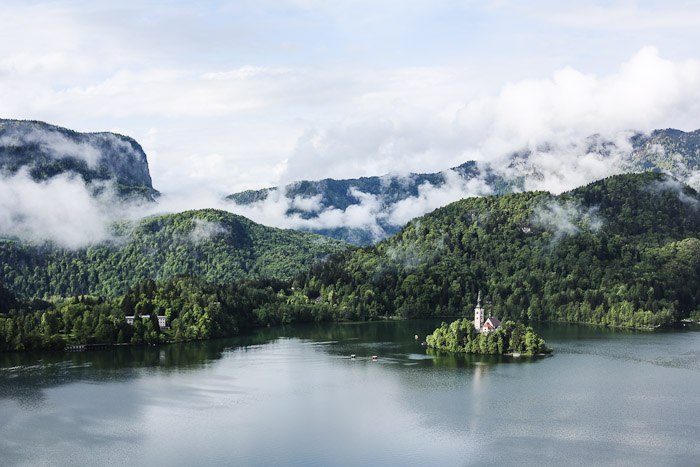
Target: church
480,325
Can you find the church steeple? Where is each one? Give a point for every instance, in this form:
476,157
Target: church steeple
478,313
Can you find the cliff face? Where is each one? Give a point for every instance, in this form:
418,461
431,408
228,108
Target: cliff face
46,151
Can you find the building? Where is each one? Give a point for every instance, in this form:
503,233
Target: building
490,324
161,320
478,314
481,325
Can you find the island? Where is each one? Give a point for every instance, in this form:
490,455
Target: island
487,336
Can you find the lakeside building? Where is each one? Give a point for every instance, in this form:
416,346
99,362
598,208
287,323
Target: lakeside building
161,320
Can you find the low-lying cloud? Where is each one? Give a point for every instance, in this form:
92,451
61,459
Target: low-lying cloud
61,210
677,188
370,212
204,230
54,144
564,218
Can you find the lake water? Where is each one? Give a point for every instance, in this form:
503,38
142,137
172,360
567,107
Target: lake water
291,396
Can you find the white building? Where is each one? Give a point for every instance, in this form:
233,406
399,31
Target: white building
480,324
161,320
478,313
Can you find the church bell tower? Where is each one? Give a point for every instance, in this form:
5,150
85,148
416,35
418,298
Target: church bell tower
478,313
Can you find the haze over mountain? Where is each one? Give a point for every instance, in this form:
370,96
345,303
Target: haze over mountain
211,245
66,187
45,151
368,209
621,251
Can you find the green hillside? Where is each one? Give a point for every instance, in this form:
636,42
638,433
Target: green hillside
212,245
621,251
672,151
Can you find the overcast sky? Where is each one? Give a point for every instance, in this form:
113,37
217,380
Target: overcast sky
247,94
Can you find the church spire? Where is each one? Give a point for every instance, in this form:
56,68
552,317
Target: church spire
478,313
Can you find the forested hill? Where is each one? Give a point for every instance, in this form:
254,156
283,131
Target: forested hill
621,251
389,189
211,245
668,150
46,151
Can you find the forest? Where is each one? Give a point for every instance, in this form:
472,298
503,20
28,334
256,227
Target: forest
211,245
194,310
509,338
623,251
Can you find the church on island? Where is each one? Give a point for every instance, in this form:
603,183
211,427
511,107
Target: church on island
491,322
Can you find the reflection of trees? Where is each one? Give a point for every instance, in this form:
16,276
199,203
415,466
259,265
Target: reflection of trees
24,376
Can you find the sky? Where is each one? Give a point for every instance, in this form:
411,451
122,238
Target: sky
232,95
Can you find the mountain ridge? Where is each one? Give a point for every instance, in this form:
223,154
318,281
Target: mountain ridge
45,151
213,245
621,251
670,150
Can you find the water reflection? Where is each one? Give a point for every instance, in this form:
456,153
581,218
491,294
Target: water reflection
292,396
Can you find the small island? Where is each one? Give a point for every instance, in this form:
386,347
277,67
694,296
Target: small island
488,336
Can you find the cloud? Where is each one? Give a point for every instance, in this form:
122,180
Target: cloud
53,143
204,230
627,16
389,131
369,212
61,210
564,218
431,197
679,189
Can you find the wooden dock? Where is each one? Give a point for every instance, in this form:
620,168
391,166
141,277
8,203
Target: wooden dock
84,347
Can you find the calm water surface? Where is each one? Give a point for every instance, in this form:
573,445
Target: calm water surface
291,396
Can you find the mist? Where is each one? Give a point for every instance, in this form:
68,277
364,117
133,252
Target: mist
553,133
61,210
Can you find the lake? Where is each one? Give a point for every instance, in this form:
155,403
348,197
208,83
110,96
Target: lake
291,396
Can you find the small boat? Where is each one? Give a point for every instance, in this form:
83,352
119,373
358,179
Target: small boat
374,358
352,356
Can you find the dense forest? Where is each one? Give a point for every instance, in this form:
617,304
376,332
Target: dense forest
215,246
509,338
193,309
623,251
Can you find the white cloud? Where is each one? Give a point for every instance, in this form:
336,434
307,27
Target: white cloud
204,230
55,144
627,16
236,95
61,210
431,197
369,213
676,187
565,218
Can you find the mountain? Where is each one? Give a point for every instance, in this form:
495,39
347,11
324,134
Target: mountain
674,151
308,202
309,199
622,251
211,245
46,151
